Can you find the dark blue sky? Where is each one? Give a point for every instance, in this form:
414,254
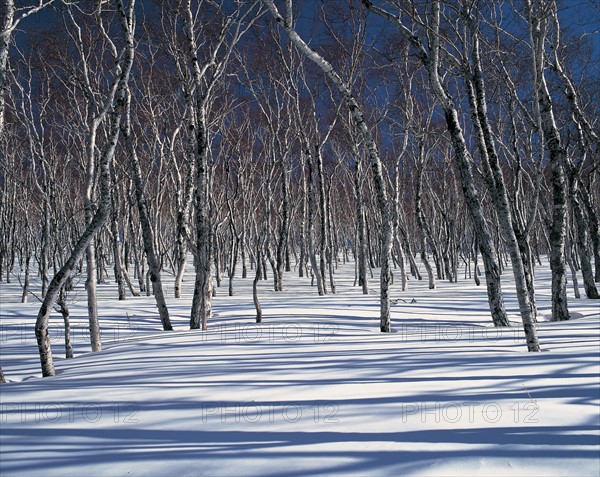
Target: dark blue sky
581,17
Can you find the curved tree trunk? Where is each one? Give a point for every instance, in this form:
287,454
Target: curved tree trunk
494,178
103,207
430,60
586,267
147,232
538,22
376,166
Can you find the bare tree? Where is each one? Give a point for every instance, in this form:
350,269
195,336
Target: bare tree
124,65
538,17
376,166
430,58
9,24
147,232
208,67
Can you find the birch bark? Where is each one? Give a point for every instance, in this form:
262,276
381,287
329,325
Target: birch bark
373,153
126,17
430,60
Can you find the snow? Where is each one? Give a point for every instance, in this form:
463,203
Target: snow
313,390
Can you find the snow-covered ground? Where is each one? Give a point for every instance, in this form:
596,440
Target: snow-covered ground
314,390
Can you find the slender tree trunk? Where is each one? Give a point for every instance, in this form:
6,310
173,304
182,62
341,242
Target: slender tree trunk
331,252
205,77
103,207
45,249
573,275
414,269
233,258
217,260
363,280
90,253
495,180
311,227
118,266
376,166
64,311
257,276
92,302
282,242
303,229
402,265
147,232
8,12
538,22
586,267
26,277
323,222
419,213
138,257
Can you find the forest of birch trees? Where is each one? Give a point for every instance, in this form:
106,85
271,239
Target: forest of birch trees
435,140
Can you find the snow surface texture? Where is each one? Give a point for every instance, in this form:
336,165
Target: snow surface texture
314,390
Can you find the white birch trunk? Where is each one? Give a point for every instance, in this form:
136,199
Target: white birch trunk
430,60
147,232
8,13
103,208
311,225
361,255
495,180
538,20
376,166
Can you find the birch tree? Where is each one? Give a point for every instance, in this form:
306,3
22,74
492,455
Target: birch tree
493,175
587,141
12,16
121,77
287,23
538,15
147,231
430,59
93,116
207,68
